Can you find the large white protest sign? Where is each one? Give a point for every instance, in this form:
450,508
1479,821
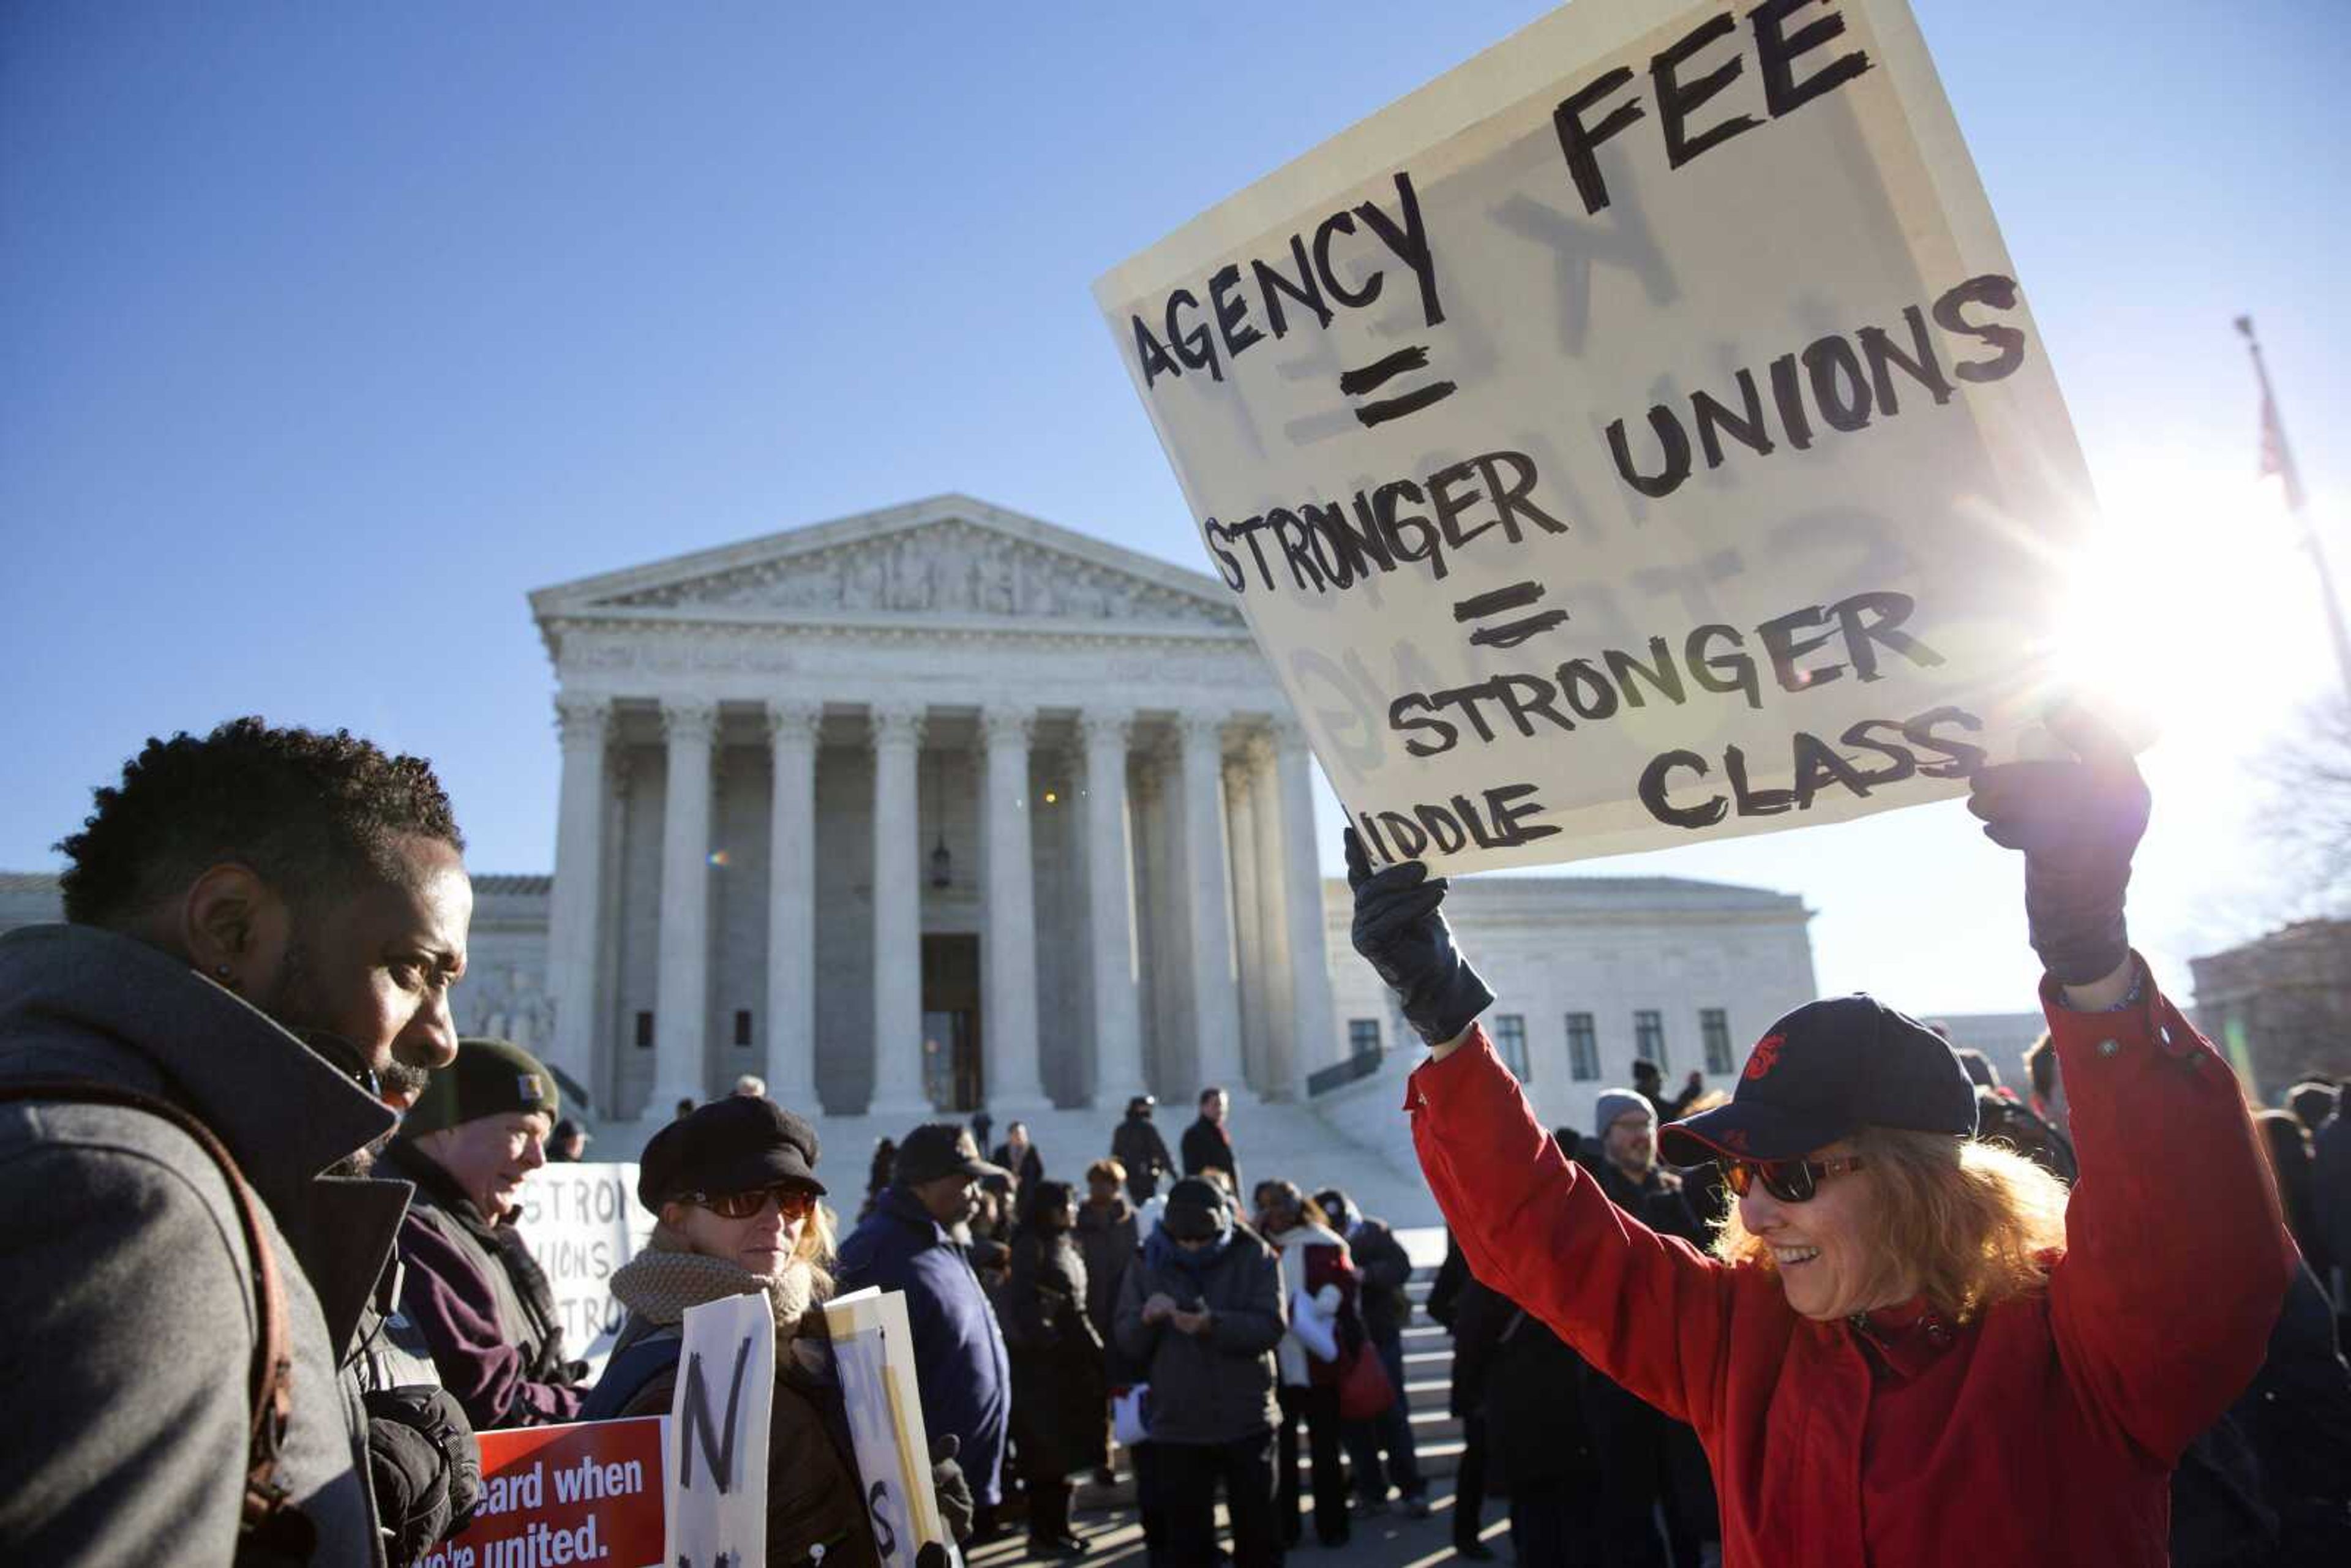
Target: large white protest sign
581,1222
1637,436
874,1351
718,1434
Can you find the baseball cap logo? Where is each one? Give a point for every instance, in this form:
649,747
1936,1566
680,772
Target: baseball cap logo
1765,1056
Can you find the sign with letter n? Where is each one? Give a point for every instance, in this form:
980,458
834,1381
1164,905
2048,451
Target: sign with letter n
719,1435
1637,436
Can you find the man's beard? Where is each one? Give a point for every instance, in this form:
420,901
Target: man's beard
296,1008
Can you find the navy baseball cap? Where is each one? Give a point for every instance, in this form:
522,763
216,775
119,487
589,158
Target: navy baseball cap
1824,1073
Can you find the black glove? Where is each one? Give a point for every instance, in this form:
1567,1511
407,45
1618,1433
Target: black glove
423,1465
1399,931
2077,823
948,1485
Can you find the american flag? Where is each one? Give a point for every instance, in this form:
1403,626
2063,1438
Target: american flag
2276,458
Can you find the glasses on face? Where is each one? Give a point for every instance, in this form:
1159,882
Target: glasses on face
1790,1181
793,1203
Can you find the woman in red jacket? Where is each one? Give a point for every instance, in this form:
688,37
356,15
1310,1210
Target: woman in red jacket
1907,1347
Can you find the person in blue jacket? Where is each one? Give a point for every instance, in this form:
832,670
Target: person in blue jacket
908,1243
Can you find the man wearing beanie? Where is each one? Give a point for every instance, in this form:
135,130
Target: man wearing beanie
485,1308
1645,1461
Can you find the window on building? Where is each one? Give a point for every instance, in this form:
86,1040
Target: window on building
1583,1049
742,1026
644,1031
1362,1036
1511,1043
1714,1028
1649,1036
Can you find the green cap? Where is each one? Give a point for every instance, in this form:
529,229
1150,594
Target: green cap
489,1078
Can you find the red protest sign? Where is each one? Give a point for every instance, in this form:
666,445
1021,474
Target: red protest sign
590,1492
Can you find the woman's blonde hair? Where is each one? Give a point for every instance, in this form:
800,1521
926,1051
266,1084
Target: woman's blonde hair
816,1247
1967,1223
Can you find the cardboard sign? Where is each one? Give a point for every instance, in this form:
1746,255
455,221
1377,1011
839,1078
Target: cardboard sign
718,1433
1638,435
581,1222
588,1492
873,1353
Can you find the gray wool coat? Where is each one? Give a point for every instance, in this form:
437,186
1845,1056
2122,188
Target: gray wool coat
125,1291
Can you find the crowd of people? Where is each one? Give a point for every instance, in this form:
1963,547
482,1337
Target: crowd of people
1872,1306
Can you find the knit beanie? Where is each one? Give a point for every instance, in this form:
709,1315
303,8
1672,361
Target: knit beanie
489,1078
1615,1103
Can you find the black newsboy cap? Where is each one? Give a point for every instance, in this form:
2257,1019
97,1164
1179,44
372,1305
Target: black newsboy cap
736,1144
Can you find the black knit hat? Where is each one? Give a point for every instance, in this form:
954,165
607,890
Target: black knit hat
1824,1073
738,1144
1195,1210
489,1078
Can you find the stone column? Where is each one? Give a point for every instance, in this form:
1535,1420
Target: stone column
791,905
897,737
1008,1042
682,991
1215,990
574,927
1283,1075
1313,1015
1248,926
1118,1021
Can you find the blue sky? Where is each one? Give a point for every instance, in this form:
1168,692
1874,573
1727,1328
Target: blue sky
331,331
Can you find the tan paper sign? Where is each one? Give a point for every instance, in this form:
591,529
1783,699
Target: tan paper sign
1635,436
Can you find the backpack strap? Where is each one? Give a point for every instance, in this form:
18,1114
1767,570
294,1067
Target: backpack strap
268,1515
632,1367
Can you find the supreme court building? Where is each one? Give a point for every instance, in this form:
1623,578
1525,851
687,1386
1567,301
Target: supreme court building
937,805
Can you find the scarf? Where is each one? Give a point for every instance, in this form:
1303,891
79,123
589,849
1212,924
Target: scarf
660,1283
1162,1252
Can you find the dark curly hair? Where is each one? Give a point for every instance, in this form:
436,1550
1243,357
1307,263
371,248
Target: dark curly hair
311,813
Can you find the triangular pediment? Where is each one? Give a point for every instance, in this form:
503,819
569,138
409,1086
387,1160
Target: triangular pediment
951,558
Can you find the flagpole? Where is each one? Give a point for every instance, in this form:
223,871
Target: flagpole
2278,454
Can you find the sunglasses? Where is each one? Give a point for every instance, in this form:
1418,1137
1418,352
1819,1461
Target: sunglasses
791,1202
1790,1181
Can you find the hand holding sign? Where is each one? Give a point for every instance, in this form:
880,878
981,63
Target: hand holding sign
1401,932
2078,821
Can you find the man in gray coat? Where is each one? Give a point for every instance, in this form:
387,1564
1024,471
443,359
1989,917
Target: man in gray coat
259,922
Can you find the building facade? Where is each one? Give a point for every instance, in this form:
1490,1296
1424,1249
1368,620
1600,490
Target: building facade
2280,1005
941,806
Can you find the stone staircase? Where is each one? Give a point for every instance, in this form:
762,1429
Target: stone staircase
1428,1360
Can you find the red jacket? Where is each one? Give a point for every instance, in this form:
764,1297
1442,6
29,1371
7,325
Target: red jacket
2045,1431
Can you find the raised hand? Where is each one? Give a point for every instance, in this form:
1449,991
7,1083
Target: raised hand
1402,933
2078,823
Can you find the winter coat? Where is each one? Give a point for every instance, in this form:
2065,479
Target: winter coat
1475,1317
482,1303
2330,1191
1027,1171
128,1293
1209,1146
813,1496
960,1362
1385,1266
1216,1387
1319,1287
1535,1424
2270,1482
1107,1240
1836,1444
1060,1413
1136,1145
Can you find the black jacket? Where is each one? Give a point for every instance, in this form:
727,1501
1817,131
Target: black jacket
1137,1146
1216,1387
1058,1415
1385,1266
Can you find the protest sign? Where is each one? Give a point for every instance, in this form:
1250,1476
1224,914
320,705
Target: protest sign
718,1428
581,1222
588,1492
873,1351
1637,436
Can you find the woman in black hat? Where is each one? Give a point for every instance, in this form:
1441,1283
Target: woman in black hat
734,1188
1900,1322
